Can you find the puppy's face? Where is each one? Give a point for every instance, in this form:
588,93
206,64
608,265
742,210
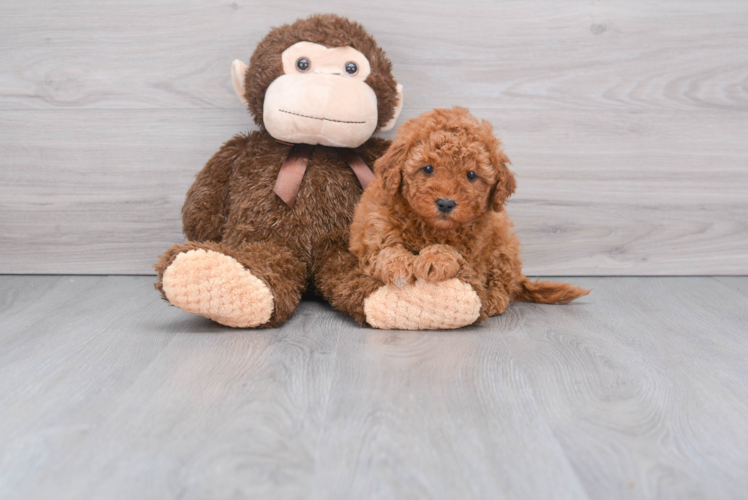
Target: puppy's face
447,180
448,167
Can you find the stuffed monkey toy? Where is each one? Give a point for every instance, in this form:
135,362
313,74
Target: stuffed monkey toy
268,216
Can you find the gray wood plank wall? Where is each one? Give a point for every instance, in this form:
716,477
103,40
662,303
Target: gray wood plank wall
627,122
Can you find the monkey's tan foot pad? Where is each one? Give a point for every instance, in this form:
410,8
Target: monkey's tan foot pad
216,286
423,306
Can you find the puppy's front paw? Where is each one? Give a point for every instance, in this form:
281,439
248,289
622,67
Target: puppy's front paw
398,273
396,269
437,263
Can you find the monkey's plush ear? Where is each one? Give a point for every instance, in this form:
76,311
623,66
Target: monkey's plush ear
238,71
505,183
390,165
398,107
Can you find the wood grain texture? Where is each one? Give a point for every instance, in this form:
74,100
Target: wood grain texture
613,397
107,392
626,124
113,204
737,283
573,54
638,390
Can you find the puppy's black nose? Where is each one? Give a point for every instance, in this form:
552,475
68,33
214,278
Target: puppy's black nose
445,206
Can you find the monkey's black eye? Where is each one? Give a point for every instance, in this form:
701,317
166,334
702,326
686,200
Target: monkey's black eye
351,68
428,170
302,64
472,176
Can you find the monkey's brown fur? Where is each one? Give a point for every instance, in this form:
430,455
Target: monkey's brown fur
399,234
231,207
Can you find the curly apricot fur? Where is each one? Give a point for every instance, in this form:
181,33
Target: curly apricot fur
398,221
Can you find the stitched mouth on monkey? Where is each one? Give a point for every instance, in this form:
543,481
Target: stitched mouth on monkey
322,119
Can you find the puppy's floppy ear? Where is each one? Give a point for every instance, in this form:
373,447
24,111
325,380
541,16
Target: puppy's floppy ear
505,183
390,166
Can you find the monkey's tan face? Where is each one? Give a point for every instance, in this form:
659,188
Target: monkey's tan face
322,97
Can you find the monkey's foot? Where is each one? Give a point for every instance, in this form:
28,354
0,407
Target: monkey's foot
423,306
216,286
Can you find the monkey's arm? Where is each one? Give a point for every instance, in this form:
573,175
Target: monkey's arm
206,208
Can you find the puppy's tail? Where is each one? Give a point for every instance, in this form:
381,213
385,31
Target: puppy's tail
548,292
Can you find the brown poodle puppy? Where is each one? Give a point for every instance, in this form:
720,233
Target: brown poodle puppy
436,211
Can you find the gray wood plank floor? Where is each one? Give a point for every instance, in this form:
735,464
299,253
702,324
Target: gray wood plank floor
639,390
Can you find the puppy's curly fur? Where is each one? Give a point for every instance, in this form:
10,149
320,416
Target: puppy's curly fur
400,234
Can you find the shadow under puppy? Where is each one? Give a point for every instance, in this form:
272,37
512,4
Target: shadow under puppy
435,212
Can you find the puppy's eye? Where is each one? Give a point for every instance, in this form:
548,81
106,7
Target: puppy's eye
472,176
428,170
302,64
